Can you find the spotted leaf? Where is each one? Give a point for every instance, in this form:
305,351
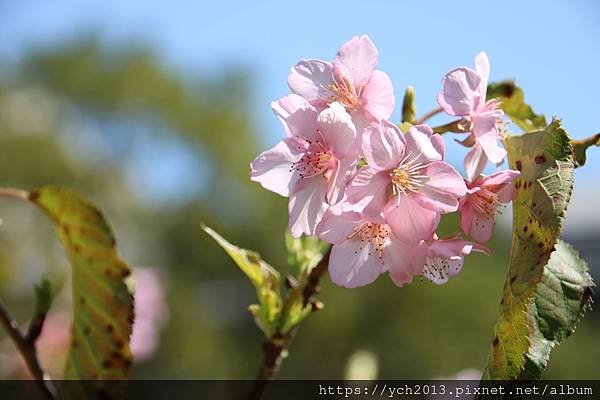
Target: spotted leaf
102,299
544,187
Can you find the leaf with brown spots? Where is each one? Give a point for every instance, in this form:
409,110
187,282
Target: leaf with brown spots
513,104
561,299
102,299
543,193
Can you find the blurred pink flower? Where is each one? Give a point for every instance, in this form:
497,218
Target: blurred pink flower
483,197
151,313
406,180
311,164
463,94
351,80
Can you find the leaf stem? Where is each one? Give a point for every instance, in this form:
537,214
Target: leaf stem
430,114
588,141
28,352
275,348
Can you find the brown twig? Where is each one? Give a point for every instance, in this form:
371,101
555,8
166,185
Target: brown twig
588,141
28,352
276,346
15,193
430,114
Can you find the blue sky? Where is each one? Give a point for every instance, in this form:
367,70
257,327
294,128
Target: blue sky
551,48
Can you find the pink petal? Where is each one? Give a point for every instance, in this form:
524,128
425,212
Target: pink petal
383,146
337,184
407,261
486,122
507,193
459,95
482,228
489,144
311,79
299,118
336,126
357,60
370,188
475,162
272,168
482,65
351,265
438,270
438,144
377,97
499,178
443,189
307,205
420,146
409,221
337,226
466,217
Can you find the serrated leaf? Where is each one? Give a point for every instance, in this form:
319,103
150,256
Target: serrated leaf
102,299
513,104
265,279
544,189
303,253
561,299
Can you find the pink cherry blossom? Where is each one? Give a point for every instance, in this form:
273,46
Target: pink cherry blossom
406,181
483,197
362,250
351,80
436,259
311,164
463,94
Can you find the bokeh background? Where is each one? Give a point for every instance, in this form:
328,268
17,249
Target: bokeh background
155,109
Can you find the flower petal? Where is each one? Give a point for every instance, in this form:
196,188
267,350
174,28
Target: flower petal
357,59
482,66
410,222
272,168
460,91
336,126
443,189
482,228
337,225
383,146
369,188
298,117
407,261
493,151
419,144
351,265
475,162
307,205
466,217
311,79
336,186
377,97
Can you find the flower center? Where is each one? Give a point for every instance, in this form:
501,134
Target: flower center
344,92
407,177
437,269
373,235
485,203
316,160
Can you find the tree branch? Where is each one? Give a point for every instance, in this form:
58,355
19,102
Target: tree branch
15,193
430,114
275,348
28,352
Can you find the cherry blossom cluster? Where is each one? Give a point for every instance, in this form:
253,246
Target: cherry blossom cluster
377,194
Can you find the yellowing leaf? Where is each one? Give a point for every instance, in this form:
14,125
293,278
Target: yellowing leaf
513,104
544,188
102,301
265,279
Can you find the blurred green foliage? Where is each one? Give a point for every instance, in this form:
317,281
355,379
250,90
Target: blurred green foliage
84,115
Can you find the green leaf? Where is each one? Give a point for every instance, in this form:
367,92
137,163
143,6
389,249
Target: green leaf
561,299
544,188
408,106
265,279
513,104
303,253
102,299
